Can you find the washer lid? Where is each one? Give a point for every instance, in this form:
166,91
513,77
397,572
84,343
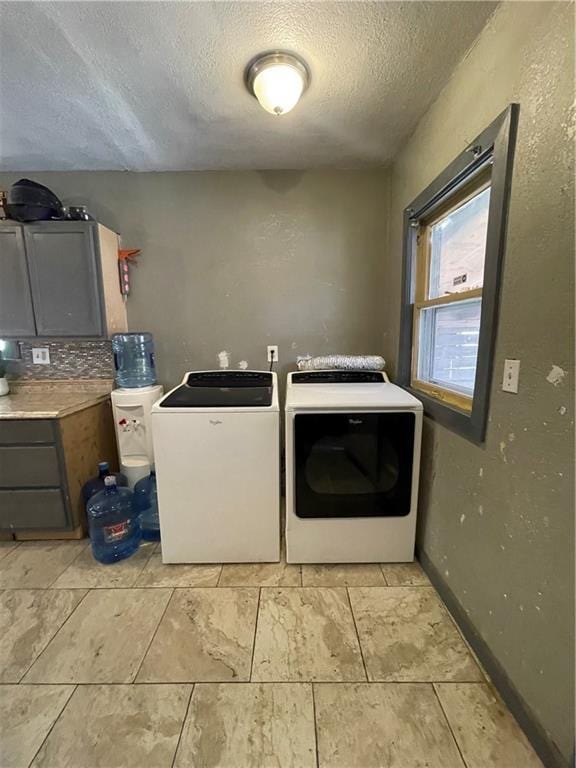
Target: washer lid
222,389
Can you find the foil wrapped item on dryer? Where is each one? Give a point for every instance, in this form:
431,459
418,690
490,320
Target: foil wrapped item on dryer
342,363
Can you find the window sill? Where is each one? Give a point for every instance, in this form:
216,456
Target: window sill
443,396
466,424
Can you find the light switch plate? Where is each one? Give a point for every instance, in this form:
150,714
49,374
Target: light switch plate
40,355
511,376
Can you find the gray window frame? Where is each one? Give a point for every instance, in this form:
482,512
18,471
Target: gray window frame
495,146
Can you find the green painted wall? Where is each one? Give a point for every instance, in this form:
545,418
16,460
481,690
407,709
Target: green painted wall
497,520
235,261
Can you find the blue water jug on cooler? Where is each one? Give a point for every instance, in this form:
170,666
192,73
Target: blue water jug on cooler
114,528
146,507
96,484
134,359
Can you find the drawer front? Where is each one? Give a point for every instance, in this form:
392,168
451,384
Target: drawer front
29,466
14,431
24,509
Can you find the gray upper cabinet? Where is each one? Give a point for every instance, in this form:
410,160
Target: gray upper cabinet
64,278
16,311
59,279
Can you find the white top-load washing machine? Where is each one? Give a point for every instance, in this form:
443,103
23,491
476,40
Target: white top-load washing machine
217,453
352,465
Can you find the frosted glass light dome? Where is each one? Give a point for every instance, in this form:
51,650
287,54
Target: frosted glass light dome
277,80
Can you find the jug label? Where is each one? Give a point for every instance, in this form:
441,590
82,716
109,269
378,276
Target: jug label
116,532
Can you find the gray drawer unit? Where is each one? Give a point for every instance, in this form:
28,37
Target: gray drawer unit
29,466
33,486
23,509
27,431
44,464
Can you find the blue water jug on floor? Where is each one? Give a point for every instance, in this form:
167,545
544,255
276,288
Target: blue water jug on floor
114,528
146,507
134,359
96,484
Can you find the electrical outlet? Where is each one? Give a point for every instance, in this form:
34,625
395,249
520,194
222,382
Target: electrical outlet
41,356
272,353
511,376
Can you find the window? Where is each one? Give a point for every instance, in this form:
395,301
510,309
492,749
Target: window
450,254
454,242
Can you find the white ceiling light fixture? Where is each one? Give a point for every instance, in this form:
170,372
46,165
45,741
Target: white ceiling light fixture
278,80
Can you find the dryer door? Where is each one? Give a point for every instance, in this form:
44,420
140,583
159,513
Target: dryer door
353,464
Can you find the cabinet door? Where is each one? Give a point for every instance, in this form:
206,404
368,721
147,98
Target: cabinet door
35,508
16,315
29,466
65,279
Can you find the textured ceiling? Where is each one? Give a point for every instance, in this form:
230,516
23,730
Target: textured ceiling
158,85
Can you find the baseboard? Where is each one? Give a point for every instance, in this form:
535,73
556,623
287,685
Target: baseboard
544,747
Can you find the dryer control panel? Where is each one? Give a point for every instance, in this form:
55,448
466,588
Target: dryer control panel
338,377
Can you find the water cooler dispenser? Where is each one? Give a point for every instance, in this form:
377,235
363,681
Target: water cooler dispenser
132,402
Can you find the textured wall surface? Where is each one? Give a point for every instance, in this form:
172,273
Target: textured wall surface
84,86
497,520
68,360
232,262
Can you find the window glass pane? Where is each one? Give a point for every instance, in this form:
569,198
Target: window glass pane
449,345
458,247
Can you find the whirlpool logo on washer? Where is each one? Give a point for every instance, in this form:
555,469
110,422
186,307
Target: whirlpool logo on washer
215,422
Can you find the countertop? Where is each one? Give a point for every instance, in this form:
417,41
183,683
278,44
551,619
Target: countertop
52,399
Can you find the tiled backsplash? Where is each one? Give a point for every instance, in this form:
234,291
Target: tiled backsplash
68,360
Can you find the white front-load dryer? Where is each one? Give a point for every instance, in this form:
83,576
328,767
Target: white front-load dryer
352,465
217,453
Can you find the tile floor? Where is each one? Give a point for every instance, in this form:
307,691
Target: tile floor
237,666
